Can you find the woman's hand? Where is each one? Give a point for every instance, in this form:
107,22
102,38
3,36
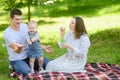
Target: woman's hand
62,31
67,45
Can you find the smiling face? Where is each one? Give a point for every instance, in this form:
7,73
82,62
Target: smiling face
16,20
32,28
72,24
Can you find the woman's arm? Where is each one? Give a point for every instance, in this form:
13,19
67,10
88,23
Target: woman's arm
83,46
66,45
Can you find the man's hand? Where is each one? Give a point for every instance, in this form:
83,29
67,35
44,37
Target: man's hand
18,48
48,49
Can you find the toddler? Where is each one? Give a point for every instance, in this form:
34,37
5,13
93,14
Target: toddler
34,48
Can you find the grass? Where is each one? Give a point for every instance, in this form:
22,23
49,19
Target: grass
105,46
102,23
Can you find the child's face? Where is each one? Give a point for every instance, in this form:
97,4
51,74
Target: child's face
32,29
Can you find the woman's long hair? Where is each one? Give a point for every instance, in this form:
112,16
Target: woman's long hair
79,27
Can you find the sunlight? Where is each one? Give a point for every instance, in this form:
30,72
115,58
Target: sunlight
49,2
110,9
95,24
1,34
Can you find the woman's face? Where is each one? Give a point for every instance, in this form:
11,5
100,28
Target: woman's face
72,24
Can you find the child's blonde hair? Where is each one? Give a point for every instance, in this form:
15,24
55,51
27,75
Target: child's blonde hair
32,23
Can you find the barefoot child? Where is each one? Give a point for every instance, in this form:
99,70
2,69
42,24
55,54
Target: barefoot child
34,47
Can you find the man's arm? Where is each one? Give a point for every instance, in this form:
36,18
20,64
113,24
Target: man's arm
48,49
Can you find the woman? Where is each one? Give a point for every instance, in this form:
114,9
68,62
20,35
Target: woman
77,43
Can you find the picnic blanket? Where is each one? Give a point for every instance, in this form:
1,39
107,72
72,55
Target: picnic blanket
94,71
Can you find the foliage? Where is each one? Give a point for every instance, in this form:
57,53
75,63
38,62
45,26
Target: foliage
9,4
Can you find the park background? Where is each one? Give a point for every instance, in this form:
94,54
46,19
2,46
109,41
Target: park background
101,17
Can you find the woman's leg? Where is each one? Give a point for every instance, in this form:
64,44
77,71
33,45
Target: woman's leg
21,66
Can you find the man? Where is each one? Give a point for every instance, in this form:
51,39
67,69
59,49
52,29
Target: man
15,37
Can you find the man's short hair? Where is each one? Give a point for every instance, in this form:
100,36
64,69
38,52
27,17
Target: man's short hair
15,12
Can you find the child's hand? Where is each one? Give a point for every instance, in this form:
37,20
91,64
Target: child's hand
33,39
29,41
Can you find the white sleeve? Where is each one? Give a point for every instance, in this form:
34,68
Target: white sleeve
8,38
83,48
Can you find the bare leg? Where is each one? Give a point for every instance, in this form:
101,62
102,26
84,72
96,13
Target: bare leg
32,60
40,62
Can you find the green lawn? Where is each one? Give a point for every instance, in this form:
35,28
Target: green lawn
102,22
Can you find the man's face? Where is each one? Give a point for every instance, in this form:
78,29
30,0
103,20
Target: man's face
16,20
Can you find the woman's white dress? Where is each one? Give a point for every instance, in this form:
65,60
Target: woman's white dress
72,61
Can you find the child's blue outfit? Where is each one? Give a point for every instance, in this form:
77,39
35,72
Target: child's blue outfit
34,49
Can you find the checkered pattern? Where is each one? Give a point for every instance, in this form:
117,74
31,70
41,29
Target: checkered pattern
94,71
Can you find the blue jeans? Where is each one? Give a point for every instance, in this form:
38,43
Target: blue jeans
22,66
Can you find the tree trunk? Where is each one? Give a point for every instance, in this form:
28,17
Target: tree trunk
29,10
20,1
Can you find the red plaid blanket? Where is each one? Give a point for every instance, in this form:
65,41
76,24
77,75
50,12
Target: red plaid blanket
94,71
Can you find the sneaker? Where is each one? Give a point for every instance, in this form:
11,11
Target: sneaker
10,67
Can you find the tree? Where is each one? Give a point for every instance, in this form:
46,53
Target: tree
10,4
29,16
